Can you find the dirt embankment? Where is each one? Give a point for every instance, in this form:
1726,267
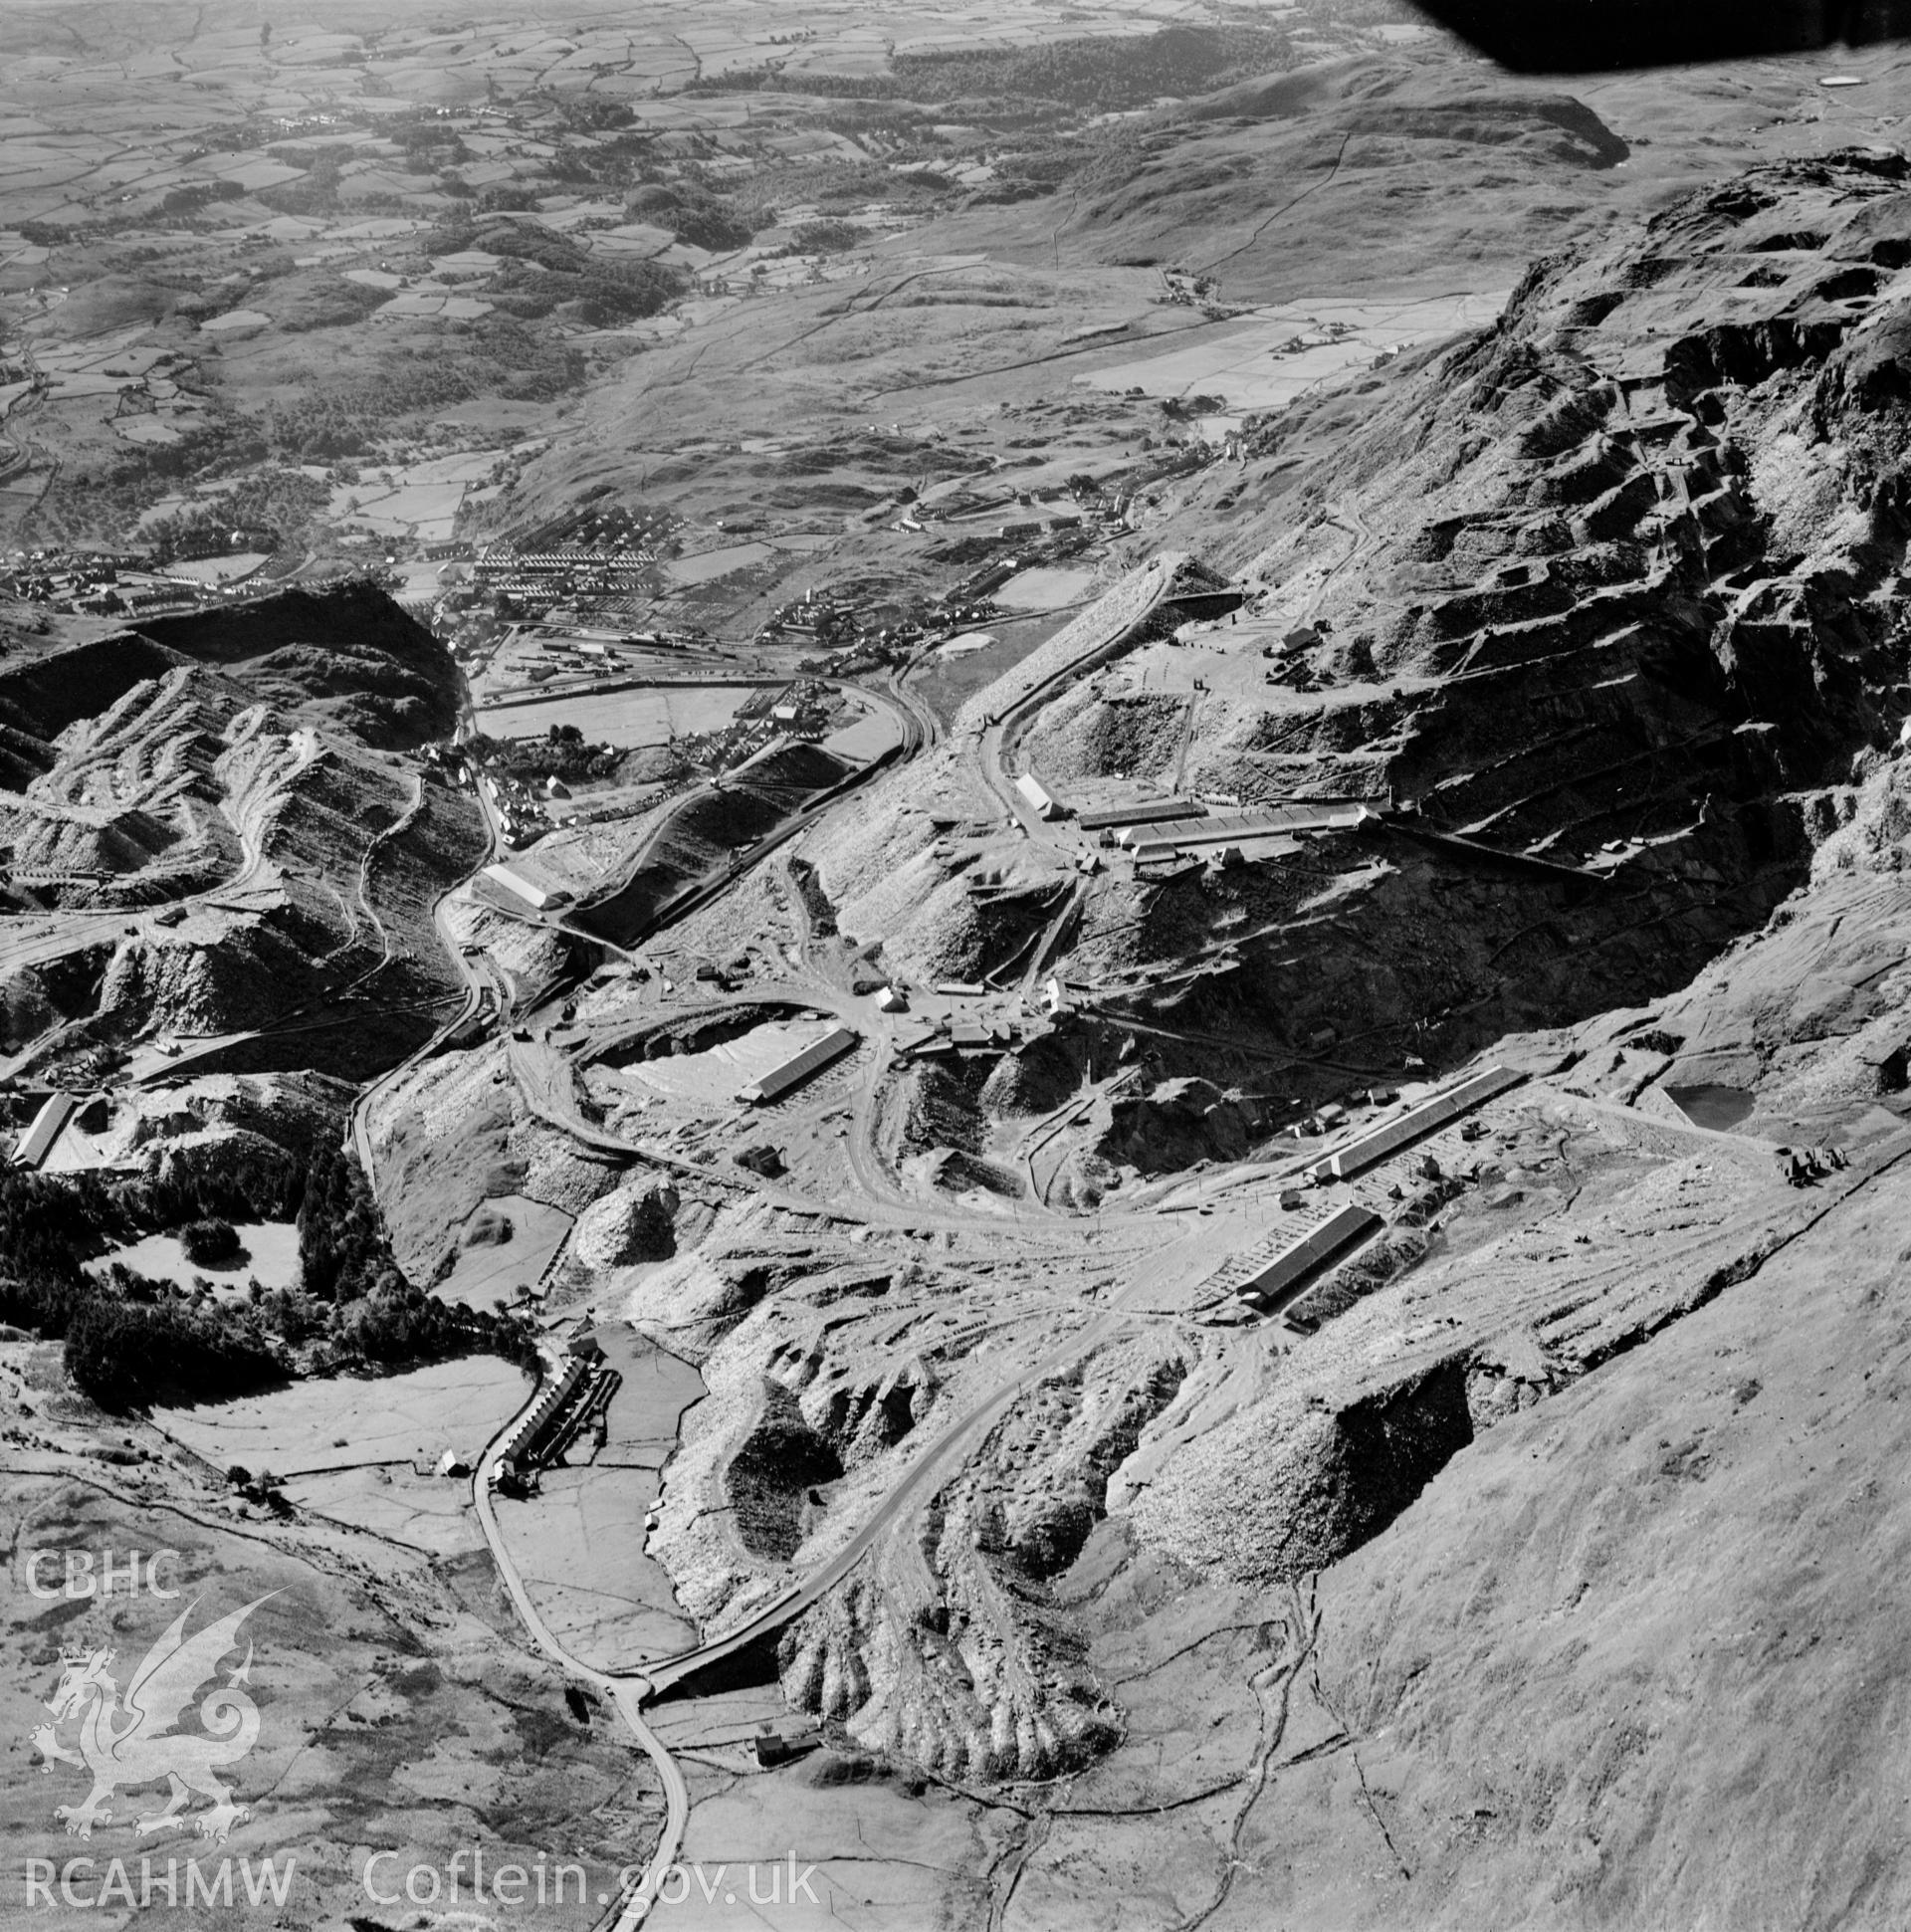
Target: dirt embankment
710,829
220,790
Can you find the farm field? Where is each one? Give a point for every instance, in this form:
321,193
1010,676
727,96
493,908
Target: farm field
959,671
1048,589
223,569
706,565
354,1422
1290,350
490,1271
420,501
385,1710
580,1540
643,715
408,1504
865,739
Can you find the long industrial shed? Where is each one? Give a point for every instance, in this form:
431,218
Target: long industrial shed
1426,1117
37,1141
1148,811
802,1066
1278,1281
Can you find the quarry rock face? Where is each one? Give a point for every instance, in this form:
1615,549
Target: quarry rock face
1639,580
1326,1481
1607,621
1622,574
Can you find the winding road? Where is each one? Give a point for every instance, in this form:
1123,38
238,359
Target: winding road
544,1078
628,1693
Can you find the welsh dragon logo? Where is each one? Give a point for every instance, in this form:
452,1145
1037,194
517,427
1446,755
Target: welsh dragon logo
136,1742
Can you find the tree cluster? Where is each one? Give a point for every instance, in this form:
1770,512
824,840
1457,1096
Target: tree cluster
125,1353
269,507
209,1243
342,1250
377,1315
130,1341
316,192
564,754
824,238
693,213
193,196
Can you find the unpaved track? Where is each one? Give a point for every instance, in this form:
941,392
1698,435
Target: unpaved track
544,1078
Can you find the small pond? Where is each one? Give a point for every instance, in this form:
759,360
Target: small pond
1721,1108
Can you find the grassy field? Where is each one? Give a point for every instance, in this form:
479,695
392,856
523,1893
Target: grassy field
1289,348
491,1272
390,1716
580,1541
1045,589
350,1422
649,715
948,681
269,1255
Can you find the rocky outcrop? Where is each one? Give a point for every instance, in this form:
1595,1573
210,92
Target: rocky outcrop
986,1679
181,983
1307,1480
636,1223
347,649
